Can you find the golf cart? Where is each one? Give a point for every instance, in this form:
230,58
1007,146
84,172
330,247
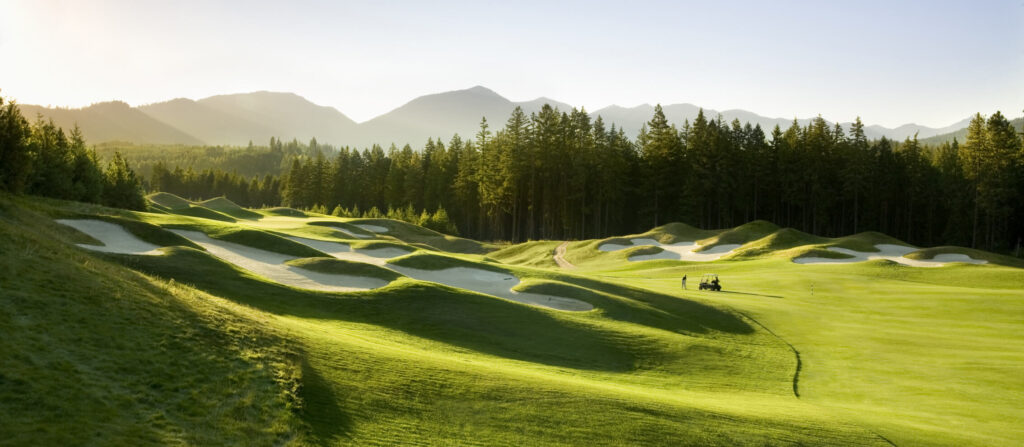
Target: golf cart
709,281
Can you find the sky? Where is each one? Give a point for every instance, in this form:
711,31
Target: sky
889,62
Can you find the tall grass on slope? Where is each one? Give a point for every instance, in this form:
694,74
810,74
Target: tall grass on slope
93,353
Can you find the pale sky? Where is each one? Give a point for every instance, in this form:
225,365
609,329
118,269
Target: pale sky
890,62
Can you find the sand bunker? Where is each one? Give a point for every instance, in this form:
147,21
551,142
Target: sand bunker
114,237
491,283
477,280
272,266
353,235
376,256
891,252
372,228
683,251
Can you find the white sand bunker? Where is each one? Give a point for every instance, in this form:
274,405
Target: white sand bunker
477,280
272,266
353,235
376,256
491,283
683,251
114,237
372,228
891,252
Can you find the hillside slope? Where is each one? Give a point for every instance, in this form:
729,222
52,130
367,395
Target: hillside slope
415,361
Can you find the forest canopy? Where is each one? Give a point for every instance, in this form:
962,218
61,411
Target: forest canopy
562,175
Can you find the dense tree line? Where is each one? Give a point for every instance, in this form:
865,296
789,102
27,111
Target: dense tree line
251,192
561,175
41,159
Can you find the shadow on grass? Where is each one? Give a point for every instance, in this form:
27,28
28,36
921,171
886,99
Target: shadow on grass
426,310
326,419
750,293
669,312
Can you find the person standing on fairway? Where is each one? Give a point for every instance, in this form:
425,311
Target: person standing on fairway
684,282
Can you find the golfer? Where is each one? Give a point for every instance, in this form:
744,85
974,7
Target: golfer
684,282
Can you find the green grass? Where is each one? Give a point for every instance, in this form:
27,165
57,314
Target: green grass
533,253
435,261
207,353
340,266
168,201
205,213
263,240
225,206
742,234
283,211
94,353
415,234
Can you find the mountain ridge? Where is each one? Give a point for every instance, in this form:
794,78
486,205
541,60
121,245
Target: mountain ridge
237,118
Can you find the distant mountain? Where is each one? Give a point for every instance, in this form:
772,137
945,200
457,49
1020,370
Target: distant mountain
631,119
239,118
961,134
442,115
110,121
437,115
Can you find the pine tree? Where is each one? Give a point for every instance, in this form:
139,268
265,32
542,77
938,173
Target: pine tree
122,188
15,155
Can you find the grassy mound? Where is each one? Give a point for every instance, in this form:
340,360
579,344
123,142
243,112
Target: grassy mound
679,232
374,245
339,266
742,234
284,211
205,213
866,241
411,234
643,250
779,241
533,253
94,353
993,258
168,201
434,261
264,241
225,206
815,252
348,228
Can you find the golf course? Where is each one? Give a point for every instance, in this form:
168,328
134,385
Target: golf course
205,323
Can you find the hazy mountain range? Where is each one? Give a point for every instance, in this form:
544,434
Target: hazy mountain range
239,118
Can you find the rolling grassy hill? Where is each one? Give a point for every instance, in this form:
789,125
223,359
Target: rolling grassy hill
189,346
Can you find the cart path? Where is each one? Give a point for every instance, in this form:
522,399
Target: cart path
560,256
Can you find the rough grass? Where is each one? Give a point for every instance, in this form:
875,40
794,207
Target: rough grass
225,206
415,234
168,201
205,213
263,240
340,266
533,253
742,234
283,211
434,261
93,353
866,241
779,241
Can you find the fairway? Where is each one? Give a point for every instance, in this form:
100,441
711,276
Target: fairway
384,339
